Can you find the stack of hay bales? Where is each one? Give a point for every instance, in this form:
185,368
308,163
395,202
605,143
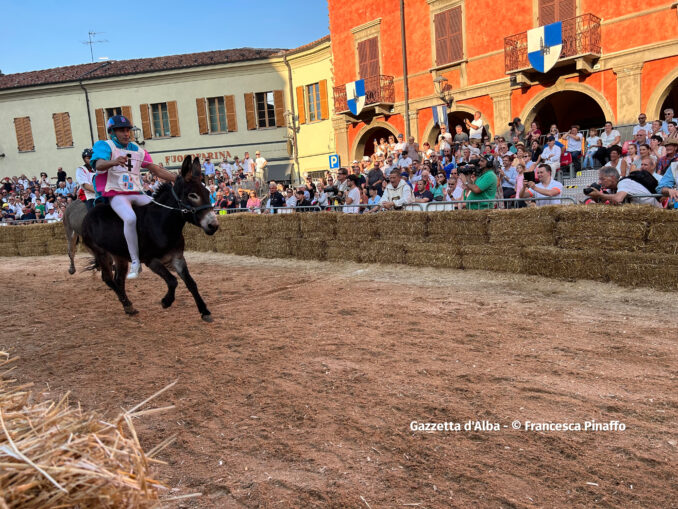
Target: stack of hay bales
316,231
54,455
33,240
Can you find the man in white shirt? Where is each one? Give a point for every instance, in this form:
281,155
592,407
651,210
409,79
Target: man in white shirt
475,127
551,154
227,168
642,124
353,196
547,187
396,195
401,143
260,164
574,141
668,117
608,178
444,139
84,175
248,165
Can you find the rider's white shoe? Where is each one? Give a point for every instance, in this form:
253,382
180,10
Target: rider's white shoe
134,270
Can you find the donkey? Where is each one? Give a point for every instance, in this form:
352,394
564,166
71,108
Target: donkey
161,242
73,217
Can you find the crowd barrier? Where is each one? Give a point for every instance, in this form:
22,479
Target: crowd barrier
629,245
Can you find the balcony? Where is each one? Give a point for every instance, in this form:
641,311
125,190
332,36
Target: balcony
581,45
379,96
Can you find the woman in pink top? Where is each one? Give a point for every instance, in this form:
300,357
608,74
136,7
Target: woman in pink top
253,203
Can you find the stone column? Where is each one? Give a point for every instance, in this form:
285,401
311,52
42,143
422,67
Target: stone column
628,93
502,112
341,139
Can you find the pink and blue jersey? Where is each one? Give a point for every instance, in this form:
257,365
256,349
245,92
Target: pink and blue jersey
119,179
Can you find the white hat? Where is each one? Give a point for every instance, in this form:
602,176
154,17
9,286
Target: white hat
366,159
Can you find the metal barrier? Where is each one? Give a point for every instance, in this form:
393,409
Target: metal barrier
20,222
498,200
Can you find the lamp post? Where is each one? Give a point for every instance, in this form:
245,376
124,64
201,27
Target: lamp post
136,132
444,90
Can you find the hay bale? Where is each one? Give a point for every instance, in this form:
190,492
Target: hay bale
344,251
643,269
429,254
243,245
460,227
357,227
533,226
380,251
59,456
309,249
663,232
9,248
568,264
494,258
283,226
274,248
322,225
402,226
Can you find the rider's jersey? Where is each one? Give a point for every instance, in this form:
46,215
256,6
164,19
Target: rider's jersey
84,176
119,179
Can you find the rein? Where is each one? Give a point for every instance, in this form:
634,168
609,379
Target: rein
184,208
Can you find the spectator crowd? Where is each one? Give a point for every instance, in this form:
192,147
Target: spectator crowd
459,171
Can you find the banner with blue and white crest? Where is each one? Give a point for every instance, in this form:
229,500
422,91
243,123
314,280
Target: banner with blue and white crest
355,96
544,45
440,115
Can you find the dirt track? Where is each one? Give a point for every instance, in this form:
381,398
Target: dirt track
302,391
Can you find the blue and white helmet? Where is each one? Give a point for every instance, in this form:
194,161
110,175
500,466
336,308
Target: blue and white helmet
117,122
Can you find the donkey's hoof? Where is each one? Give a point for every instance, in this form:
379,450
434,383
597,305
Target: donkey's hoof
130,310
165,302
71,270
208,318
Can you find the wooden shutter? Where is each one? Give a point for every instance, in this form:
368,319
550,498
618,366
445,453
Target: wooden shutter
279,103
362,59
456,36
324,105
62,129
440,22
101,123
301,105
173,118
231,117
566,9
127,112
249,111
547,12
201,106
24,135
146,122
368,57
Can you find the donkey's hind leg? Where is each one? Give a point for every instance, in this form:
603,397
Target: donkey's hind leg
159,268
121,265
72,239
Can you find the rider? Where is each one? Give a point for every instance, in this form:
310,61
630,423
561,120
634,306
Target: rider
118,164
83,176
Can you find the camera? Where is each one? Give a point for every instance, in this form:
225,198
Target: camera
589,190
510,124
468,168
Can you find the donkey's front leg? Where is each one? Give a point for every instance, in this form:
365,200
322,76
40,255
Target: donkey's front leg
121,266
179,264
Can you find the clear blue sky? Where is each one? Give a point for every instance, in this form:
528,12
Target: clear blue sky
40,34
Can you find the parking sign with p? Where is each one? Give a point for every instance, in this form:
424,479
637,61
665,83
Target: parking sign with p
334,162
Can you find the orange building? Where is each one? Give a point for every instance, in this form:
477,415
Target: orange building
619,58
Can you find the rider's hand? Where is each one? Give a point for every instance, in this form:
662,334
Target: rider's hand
121,161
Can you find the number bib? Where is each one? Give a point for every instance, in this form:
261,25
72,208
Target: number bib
125,178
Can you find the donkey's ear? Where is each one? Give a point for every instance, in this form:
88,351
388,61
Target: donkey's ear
186,166
197,170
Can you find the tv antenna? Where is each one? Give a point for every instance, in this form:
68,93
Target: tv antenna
91,42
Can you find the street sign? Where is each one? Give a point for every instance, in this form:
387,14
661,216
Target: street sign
335,162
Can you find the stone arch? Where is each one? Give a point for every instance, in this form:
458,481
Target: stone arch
530,110
659,95
360,141
432,130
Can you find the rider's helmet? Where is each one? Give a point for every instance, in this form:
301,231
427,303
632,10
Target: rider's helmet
116,122
87,153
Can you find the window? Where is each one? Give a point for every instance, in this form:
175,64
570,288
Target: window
551,11
217,114
111,112
368,57
265,104
448,36
24,134
62,130
160,120
313,93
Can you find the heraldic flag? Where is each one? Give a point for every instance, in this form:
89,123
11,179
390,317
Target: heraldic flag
440,115
544,45
355,96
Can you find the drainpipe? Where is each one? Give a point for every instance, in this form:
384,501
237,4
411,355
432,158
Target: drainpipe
295,148
89,111
405,84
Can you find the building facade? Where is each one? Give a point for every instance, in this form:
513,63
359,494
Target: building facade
617,59
215,104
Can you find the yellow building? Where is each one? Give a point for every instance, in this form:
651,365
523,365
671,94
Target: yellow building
209,104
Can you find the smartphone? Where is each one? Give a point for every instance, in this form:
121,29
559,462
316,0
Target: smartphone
529,176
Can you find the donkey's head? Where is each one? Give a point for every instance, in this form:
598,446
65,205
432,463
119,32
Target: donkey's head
195,196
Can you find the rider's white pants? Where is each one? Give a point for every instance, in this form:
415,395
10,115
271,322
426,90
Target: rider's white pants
122,204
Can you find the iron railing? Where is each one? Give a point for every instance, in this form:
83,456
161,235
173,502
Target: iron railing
378,89
581,36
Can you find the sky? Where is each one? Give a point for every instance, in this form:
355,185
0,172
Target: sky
44,34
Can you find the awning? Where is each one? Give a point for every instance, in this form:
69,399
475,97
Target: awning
279,171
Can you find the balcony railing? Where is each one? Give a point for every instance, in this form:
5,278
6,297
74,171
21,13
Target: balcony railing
581,37
378,90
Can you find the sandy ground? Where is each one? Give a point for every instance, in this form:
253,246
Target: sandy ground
302,391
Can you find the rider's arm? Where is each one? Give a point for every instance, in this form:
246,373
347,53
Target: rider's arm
161,172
